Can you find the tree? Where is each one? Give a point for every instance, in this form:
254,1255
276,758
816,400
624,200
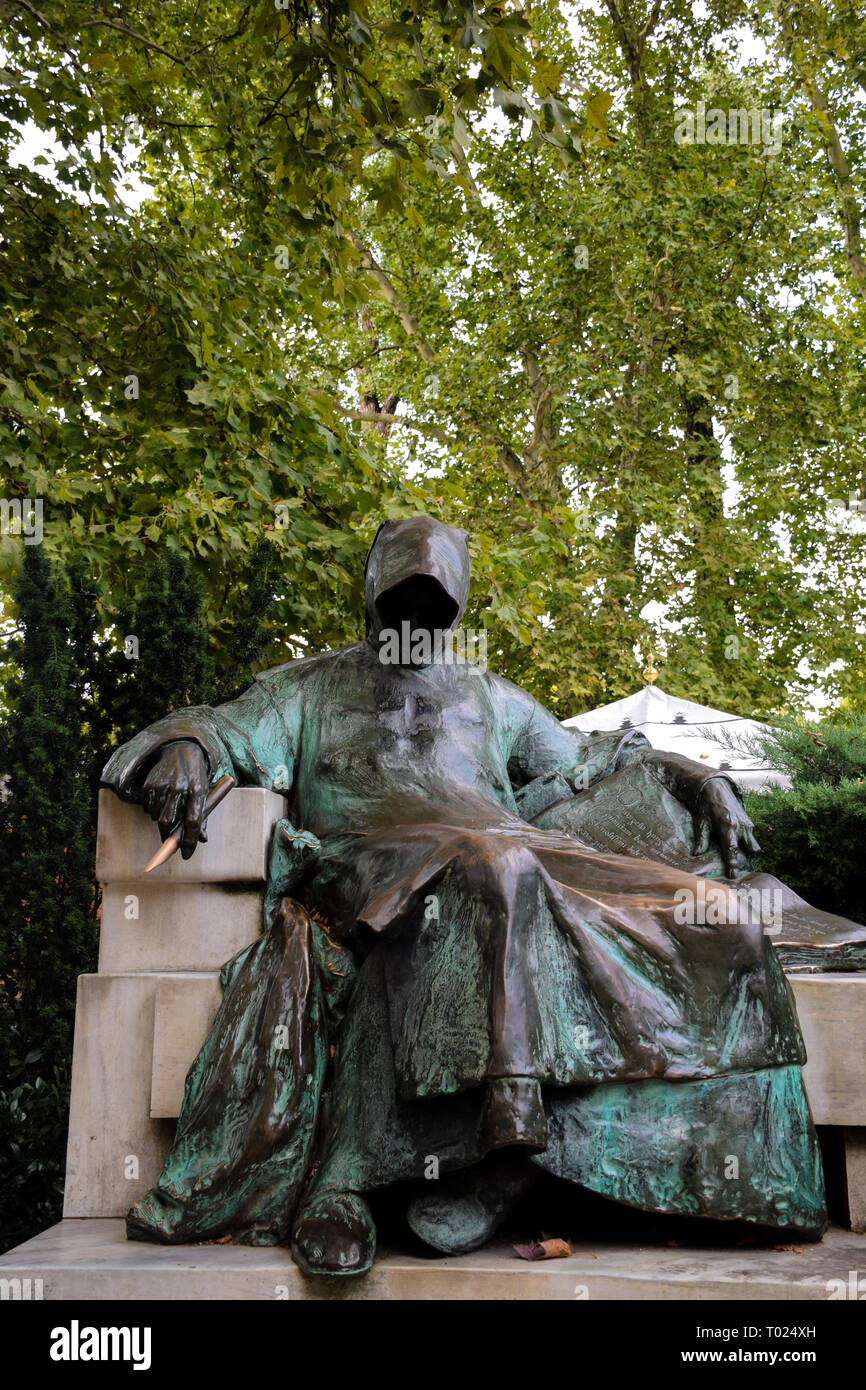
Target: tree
47,898
165,661
456,261
151,392
812,834
247,643
650,365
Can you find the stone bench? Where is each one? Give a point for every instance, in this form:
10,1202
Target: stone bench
142,1019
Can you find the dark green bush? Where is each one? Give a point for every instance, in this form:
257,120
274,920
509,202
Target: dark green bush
813,836
71,695
33,1121
48,931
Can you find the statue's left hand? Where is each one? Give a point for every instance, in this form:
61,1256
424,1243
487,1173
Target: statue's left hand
720,818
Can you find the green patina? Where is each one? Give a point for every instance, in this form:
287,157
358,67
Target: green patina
454,961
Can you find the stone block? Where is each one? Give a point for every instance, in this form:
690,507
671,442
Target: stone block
92,1260
115,1150
832,1013
184,1010
239,837
855,1173
178,926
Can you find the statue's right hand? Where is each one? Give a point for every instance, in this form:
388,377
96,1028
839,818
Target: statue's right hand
175,791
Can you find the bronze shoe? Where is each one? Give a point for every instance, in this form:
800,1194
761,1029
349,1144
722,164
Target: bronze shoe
462,1210
334,1234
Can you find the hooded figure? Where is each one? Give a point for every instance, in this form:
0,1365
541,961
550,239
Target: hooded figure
465,976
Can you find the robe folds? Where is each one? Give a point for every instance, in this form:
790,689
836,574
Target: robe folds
443,927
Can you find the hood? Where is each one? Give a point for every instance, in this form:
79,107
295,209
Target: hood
417,570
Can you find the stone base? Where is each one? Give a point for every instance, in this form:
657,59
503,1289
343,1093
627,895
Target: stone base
92,1260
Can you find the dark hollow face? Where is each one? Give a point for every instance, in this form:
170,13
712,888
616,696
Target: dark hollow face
421,601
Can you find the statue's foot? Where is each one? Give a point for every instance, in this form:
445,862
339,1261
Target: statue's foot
464,1210
151,1219
334,1234
514,1114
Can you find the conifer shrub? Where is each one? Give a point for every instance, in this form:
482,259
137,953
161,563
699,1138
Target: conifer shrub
813,836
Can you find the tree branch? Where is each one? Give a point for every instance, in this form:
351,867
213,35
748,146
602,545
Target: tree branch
409,322
840,168
541,391
387,417
488,434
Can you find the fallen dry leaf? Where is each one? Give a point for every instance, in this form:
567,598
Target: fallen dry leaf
544,1250
795,1249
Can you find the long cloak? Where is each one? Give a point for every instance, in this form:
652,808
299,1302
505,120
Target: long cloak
449,931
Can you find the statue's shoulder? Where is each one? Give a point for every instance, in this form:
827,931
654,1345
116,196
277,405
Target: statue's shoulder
506,692
306,667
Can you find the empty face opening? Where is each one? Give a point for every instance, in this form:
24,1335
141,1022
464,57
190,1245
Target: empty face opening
421,601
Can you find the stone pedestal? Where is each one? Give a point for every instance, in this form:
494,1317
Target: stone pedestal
141,1020
94,1260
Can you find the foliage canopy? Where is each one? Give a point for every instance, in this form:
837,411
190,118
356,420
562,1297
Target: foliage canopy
439,257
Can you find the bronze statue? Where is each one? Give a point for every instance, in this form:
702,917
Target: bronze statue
455,984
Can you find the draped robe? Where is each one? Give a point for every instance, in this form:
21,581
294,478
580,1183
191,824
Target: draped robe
443,926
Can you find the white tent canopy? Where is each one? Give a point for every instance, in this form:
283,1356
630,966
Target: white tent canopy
681,726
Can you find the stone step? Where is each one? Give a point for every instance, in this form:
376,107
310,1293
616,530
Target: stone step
92,1260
